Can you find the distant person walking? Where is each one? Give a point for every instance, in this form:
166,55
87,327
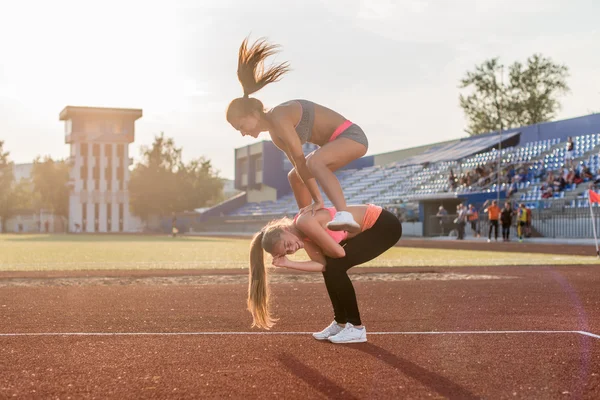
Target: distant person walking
506,217
493,212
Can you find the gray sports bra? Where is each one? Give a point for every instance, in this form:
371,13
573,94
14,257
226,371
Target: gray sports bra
305,125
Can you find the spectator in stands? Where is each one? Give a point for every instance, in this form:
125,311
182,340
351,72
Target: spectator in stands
290,125
540,172
493,212
570,176
510,172
513,188
597,179
506,216
331,253
547,192
463,180
479,170
522,175
452,180
562,172
559,183
569,152
586,174
469,179
473,216
577,178
550,178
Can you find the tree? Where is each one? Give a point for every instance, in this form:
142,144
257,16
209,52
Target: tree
50,179
23,196
529,97
199,185
161,183
6,186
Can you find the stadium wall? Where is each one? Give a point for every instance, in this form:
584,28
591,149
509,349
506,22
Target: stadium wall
261,170
274,175
584,125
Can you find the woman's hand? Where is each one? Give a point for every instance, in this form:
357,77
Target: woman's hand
314,207
281,261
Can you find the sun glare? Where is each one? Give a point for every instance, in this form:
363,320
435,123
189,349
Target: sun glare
117,54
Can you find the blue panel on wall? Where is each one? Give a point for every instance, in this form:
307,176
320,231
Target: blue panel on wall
585,125
274,171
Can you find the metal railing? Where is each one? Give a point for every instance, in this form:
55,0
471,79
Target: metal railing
556,220
559,220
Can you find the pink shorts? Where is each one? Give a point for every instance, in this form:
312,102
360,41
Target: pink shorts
350,131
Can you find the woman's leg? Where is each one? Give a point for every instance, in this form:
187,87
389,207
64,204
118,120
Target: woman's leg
364,247
324,162
342,295
339,312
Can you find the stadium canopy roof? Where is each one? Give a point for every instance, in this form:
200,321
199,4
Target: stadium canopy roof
464,148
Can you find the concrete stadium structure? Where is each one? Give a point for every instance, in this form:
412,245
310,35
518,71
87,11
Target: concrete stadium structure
416,176
99,155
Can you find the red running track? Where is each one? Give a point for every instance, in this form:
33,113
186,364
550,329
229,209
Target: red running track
520,365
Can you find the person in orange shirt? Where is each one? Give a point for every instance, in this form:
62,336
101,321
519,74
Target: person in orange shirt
493,215
474,220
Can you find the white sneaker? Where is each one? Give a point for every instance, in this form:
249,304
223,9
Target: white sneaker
343,221
350,334
332,329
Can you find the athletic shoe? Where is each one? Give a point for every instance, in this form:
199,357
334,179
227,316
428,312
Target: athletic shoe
350,334
343,221
332,329
489,240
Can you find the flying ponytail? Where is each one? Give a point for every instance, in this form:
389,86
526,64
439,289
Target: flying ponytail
253,76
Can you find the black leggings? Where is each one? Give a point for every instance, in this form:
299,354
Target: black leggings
505,231
364,247
493,225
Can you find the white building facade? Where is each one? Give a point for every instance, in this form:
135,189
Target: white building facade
99,176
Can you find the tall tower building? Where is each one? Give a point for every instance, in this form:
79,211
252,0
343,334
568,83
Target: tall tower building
99,139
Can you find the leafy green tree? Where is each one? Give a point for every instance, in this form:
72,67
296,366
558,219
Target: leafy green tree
529,97
161,183
50,179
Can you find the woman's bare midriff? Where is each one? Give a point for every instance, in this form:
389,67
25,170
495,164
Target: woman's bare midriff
326,121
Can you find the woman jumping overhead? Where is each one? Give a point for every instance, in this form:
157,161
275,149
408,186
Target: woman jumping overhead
292,124
332,253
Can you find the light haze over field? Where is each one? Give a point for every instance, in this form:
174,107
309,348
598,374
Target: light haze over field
393,67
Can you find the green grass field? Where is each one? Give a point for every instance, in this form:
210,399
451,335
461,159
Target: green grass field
93,252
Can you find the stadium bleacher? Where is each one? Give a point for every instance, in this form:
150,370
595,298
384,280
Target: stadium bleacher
402,181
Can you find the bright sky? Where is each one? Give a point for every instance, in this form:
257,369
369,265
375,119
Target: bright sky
392,66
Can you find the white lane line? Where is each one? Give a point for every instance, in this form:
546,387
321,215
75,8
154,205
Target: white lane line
589,334
281,333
